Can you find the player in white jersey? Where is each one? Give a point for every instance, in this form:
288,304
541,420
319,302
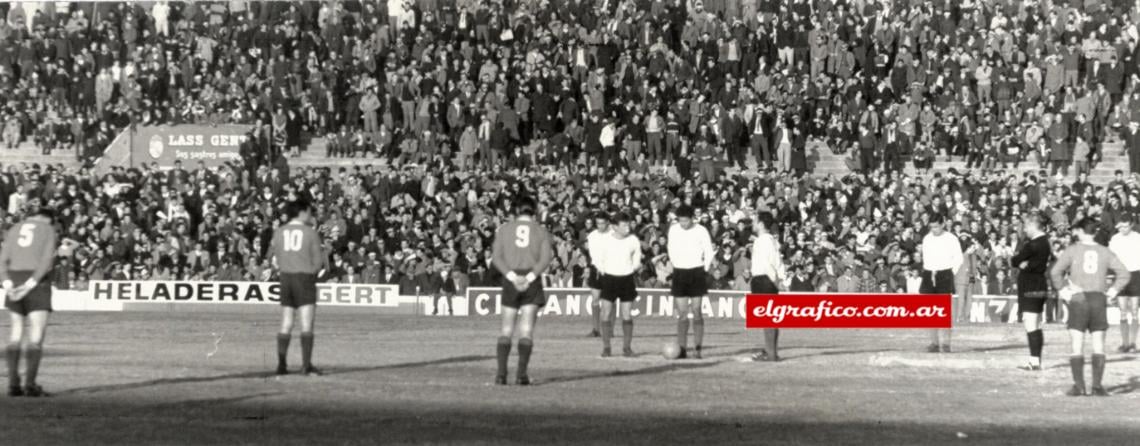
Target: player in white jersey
620,261
595,242
691,253
1126,245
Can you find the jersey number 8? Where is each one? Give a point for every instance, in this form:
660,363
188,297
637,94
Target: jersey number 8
293,239
522,236
1090,263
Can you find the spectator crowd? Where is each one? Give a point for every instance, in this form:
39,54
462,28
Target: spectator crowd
634,105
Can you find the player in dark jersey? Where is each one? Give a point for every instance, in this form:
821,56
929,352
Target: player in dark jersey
1032,261
299,256
1088,264
521,252
26,259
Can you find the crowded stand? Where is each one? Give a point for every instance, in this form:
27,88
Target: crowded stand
455,107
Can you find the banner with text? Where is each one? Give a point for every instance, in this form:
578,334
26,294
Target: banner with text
212,145
189,292
653,302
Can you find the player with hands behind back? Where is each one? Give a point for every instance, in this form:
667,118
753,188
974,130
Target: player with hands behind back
521,252
26,259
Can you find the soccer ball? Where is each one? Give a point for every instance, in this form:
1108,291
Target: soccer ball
671,351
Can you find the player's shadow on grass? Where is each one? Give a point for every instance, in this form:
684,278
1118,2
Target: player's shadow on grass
1132,385
664,368
997,348
408,365
674,335
262,374
1065,365
210,402
834,352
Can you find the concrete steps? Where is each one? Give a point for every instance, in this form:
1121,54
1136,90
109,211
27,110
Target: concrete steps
27,154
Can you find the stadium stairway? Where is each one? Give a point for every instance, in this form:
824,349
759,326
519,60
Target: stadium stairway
314,156
826,162
27,154
820,157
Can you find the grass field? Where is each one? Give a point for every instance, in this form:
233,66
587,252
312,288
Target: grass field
200,378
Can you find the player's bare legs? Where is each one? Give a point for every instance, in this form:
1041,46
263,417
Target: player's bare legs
1077,362
308,315
283,338
520,320
1032,324
626,309
681,307
1129,325
596,307
32,340
12,354
606,311
689,312
528,314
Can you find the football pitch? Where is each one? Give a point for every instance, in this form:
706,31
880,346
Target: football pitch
204,378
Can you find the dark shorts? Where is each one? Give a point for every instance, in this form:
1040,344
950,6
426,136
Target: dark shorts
516,298
594,280
298,290
691,282
937,282
38,299
1088,311
1032,292
1133,287
618,288
763,285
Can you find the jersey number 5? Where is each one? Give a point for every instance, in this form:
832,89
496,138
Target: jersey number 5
27,235
522,236
1090,263
293,239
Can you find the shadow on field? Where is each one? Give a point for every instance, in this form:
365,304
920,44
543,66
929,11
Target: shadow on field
674,335
408,365
1132,385
1118,359
837,353
997,348
500,422
624,373
210,402
263,375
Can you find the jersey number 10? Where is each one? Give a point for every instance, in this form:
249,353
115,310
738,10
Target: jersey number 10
293,239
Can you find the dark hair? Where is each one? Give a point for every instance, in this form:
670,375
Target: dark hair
938,219
1088,225
685,211
623,217
295,208
765,218
525,205
45,212
603,215
1040,218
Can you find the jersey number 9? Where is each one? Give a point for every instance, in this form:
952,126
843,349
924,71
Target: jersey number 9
293,239
522,236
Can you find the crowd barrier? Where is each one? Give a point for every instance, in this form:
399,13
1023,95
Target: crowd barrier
476,302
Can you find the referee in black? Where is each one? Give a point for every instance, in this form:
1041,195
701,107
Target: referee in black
1032,262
